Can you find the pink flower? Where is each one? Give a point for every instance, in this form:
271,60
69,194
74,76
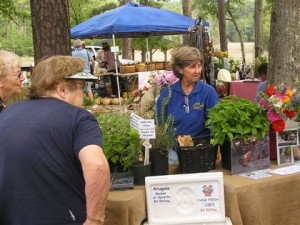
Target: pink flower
264,103
273,116
166,78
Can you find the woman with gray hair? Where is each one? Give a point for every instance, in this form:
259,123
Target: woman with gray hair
189,98
11,77
52,166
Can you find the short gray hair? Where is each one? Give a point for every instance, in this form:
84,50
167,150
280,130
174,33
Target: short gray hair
8,61
77,43
183,57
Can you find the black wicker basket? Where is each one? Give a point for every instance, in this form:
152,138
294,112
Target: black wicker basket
199,158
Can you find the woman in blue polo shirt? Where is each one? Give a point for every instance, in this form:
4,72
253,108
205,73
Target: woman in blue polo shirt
190,97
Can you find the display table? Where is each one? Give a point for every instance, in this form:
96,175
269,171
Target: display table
244,89
268,201
137,79
126,207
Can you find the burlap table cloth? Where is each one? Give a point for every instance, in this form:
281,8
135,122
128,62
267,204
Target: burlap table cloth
269,201
126,207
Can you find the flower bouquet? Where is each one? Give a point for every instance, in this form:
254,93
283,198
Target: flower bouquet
166,78
280,103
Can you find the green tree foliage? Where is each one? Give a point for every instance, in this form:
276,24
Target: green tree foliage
243,11
15,29
7,9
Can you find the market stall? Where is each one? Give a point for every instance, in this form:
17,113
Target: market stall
132,20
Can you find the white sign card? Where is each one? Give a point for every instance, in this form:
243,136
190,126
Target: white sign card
185,199
145,127
114,48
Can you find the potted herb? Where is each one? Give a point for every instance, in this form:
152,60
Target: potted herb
235,118
164,141
121,143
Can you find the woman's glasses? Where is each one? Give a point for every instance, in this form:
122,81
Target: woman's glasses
186,104
18,75
80,84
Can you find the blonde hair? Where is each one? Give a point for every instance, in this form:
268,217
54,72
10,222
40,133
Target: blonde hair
183,57
8,62
49,72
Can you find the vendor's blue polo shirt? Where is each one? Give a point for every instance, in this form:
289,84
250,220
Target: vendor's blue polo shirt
189,111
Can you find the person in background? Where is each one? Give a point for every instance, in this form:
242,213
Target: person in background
81,52
109,62
190,97
262,72
92,62
52,167
100,56
11,77
223,83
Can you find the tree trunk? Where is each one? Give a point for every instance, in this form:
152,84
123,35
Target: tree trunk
50,28
258,18
126,44
239,34
187,11
126,48
284,48
222,25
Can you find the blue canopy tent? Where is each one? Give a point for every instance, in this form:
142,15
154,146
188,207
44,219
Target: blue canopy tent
133,20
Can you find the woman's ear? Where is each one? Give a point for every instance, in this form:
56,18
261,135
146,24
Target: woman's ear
61,90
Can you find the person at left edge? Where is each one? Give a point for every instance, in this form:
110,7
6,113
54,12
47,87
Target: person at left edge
11,77
52,167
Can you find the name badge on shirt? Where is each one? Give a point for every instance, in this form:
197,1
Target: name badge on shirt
198,106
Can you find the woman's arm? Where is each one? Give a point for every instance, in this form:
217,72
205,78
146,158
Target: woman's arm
97,181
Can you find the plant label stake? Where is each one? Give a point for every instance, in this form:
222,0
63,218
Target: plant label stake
147,145
146,129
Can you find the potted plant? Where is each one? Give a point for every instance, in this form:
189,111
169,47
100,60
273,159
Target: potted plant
235,118
121,143
164,141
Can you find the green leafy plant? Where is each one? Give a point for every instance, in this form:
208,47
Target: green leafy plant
235,117
87,101
121,143
262,58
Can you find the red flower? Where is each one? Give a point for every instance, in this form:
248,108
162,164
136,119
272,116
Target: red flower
270,90
289,114
278,125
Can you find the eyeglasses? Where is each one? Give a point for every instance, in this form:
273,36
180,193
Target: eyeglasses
186,104
81,85
18,75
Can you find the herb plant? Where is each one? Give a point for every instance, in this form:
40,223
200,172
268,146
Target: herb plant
235,117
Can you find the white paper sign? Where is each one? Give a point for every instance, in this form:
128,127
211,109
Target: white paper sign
146,128
114,48
161,194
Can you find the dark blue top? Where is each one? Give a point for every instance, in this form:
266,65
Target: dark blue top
41,179
189,111
260,88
